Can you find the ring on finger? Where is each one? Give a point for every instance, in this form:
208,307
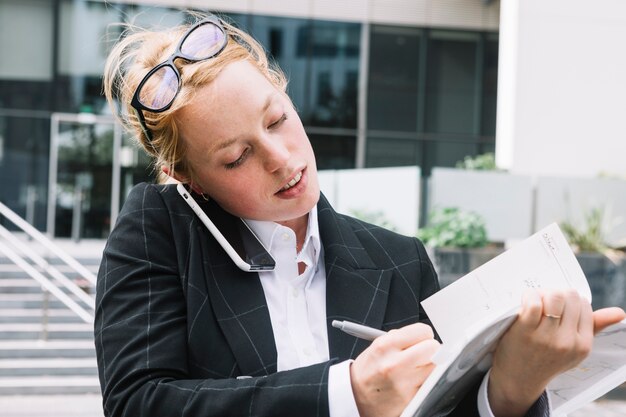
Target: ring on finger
552,316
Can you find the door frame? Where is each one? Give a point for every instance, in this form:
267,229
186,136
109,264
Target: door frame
86,119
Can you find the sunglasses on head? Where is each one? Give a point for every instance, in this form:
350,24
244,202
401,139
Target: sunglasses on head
158,89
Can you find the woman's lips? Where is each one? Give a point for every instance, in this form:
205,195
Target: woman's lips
295,186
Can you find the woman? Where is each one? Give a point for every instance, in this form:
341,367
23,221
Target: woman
180,330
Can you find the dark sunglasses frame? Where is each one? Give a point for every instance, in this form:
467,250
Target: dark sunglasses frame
139,107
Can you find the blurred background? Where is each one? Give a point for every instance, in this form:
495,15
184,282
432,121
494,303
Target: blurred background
476,122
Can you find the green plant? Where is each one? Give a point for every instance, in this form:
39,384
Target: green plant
590,237
484,162
453,227
374,217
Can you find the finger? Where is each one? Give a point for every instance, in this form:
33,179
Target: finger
421,354
407,336
553,307
571,310
585,324
532,306
420,374
606,316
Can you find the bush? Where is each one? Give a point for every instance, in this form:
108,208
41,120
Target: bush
589,238
374,217
452,227
484,162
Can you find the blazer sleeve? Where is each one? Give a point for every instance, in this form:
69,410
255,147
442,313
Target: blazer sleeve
141,334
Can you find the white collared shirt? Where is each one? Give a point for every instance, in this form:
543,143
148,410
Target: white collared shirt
297,308
296,303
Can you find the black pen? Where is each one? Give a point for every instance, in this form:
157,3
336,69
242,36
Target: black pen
358,330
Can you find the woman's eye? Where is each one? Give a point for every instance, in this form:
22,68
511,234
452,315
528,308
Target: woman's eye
239,160
278,122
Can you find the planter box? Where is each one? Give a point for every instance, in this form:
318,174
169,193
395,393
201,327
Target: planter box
606,279
453,263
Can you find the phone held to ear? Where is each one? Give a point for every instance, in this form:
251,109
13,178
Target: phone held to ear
236,238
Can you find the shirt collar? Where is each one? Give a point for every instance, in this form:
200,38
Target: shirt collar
267,232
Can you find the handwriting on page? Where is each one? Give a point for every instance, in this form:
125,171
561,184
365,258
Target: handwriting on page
544,260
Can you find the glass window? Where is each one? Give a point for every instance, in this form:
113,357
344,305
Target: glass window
451,88
87,31
446,153
83,183
490,85
82,36
26,43
333,151
26,95
135,166
386,152
25,155
321,60
279,37
393,78
26,37
334,67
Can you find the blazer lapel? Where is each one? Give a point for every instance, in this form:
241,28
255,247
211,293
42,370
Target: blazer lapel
356,290
240,307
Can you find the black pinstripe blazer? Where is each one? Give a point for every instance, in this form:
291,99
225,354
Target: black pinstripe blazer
177,321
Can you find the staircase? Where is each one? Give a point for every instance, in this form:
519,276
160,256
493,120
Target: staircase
45,346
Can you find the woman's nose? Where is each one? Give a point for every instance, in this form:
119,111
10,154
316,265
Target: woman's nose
276,155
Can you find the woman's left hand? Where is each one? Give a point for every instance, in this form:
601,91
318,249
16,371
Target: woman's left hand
553,333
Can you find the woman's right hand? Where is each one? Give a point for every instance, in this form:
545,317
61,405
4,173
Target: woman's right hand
387,374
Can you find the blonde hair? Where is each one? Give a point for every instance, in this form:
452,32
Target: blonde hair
140,50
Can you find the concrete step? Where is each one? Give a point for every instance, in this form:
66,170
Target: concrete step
63,363
9,270
19,279
14,281
91,263
34,315
53,331
48,367
12,285
38,385
33,349
34,300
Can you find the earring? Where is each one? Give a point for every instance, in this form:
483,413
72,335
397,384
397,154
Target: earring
198,190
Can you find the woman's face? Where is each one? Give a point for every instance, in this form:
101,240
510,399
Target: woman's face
247,147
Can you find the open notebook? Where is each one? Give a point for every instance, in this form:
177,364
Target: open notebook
471,315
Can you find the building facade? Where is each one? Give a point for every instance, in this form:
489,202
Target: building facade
376,82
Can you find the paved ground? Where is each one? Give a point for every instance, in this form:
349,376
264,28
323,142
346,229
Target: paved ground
51,406
89,406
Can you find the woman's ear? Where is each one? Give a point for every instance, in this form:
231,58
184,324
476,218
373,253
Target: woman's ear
165,176
176,178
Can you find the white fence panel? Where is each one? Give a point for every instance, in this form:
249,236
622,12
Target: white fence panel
502,199
571,199
391,194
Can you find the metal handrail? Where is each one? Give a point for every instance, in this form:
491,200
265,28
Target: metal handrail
41,262
47,243
46,283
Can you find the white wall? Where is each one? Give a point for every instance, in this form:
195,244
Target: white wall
392,192
30,45
468,14
562,87
503,200
571,200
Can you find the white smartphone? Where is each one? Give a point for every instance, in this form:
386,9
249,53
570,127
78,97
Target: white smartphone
239,242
